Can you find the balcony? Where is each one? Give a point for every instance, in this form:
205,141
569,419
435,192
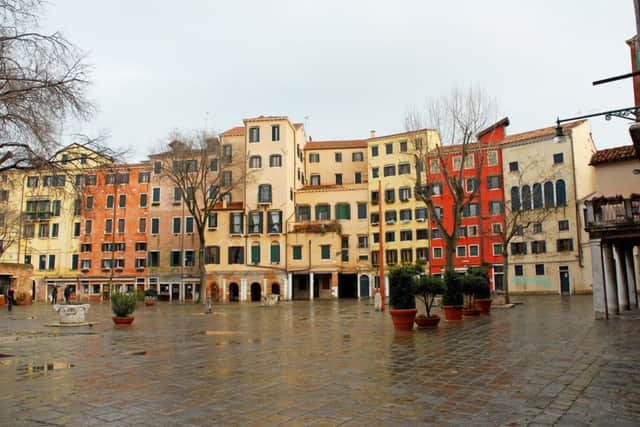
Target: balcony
36,216
613,215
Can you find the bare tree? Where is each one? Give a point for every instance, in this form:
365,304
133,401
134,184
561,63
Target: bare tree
206,174
457,118
43,82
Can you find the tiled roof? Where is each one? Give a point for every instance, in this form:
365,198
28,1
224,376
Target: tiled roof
264,118
297,125
610,155
236,131
350,143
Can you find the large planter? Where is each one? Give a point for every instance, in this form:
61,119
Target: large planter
424,322
484,305
149,301
71,313
403,318
470,311
123,320
2,300
453,313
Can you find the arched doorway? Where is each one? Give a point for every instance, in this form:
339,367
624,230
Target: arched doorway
364,286
234,292
275,289
256,291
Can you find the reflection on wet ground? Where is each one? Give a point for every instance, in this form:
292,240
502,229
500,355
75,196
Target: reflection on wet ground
326,362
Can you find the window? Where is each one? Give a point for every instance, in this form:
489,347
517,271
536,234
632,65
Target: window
518,248
404,194
255,253
122,201
404,169
492,158
121,225
561,195
564,245
518,269
375,218
437,252
141,246
303,213
338,157
255,162
297,252
362,210
421,214
264,193
213,165
537,196
374,257
388,148
343,211
549,195
390,170
236,255
474,250
374,197
472,209
472,230
143,200
391,256
227,153
434,165
275,133
405,215
274,222
338,179
390,217
325,252
558,158
144,177
154,259
142,225
471,184
43,230
176,225
406,235
375,172
537,227
363,242
74,261
494,182
226,178
255,222
457,163
175,258
406,256
254,134
357,156
235,223
323,212
539,269
563,225
89,203
32,181
212,220
495,208
314,157
496,228
275,161
374,151
212,255
526,197
155,196
538,247
513,166
157,168
275,253
462,231
141,263
155,225
390,195
109,201
376,237
177,194
518,230
188,225
461,251
108,226
42,262
497,249
390,236
515,199
357,177
52,262
55,229
315,180
439,213
403,146
422,234
468,161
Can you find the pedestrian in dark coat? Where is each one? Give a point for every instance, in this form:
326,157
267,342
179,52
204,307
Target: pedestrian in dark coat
10,300
67,294
54,295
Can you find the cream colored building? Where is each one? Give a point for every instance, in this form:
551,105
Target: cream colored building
551,178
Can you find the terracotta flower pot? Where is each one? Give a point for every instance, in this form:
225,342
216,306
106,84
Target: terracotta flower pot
148,302
453,313
403,318
424,322
2,301
123,320
484,305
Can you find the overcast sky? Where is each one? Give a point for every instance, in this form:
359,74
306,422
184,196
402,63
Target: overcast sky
343,67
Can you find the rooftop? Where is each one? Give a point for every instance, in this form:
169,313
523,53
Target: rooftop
611,155
341,144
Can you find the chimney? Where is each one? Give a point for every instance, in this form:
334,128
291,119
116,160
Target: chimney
372,132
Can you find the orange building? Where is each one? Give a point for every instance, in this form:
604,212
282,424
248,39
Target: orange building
113,232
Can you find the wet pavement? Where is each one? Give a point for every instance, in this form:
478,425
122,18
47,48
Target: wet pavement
321,363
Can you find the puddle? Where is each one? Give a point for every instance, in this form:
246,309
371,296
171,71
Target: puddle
33,368
5,355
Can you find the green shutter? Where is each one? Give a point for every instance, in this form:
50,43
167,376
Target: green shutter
255,254
275,254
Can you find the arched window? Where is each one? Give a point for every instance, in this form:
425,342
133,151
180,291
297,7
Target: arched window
255,162
526,197
561,193
549,198
537,196
515,199
264,193
275,253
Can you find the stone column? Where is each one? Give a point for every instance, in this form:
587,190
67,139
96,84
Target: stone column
358,285
621,275
631,277
334,285
310,286
289,287
597,274
611,292
223,283
243,289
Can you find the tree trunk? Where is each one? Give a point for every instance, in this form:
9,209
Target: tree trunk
449,252
202,269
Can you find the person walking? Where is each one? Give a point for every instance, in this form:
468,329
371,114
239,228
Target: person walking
54,295
67,294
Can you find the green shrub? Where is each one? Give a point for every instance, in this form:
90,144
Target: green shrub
453,289
123,304
426,288
151,292
401,286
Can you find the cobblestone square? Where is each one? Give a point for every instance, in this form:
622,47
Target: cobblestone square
321,363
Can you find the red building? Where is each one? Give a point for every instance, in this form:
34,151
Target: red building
483,218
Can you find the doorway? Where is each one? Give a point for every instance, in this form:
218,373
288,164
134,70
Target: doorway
256,292
364,286
275,289
175,292
234,292
498,278
347,285
565,283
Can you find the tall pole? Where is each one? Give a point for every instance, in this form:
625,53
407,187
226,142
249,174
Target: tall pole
381,245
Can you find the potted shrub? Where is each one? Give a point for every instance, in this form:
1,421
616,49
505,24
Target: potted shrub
401,296
469,284
123,305
452,299
482,291
150,296
426,290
